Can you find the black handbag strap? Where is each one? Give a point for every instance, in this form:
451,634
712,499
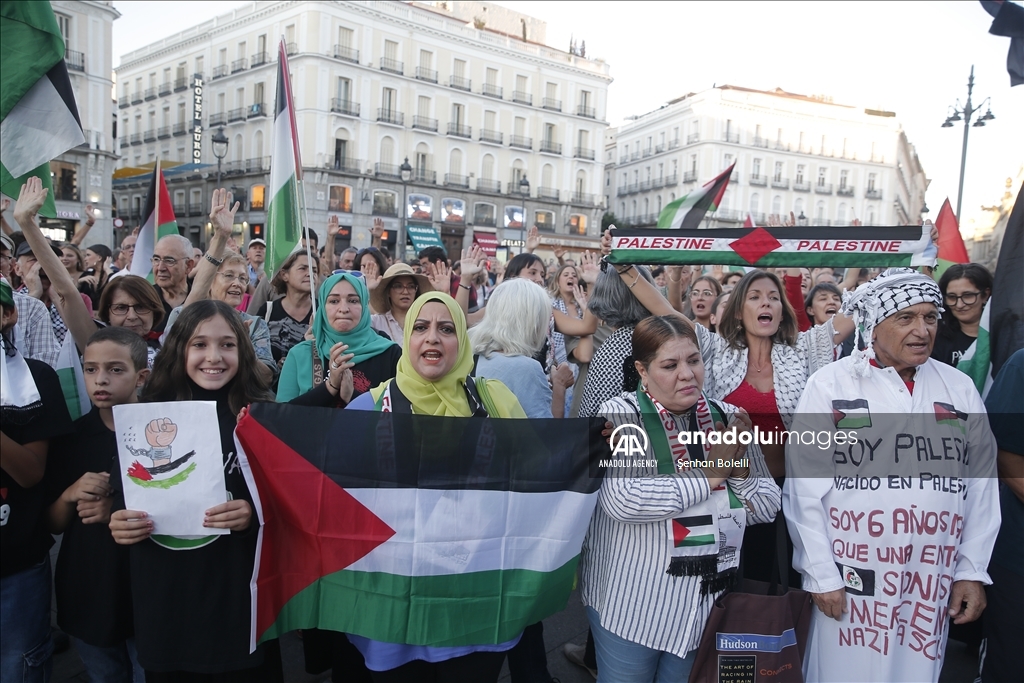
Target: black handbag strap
780,572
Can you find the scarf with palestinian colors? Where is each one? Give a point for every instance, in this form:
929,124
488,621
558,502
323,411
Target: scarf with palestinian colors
706,542
19,396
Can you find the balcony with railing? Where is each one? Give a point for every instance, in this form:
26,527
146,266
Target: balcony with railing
761,142
690,177
645,185
492,136
345,164
346,53
149,135
522,97
585,198
657,183
218,119
460,83
621,190
179,208
137,97
150,94
74,60
551,104
624,158
257,109
179,129
491,186
586,112
460,131
520,142
391,116
547,193
392,65
550,147
181,83
220,71
257,165
659,148
122,102
584,153
425,74
195,209
758,179
648,151
731,137
259,59
163,132
671,180
491,90
633,188
672,144
424,123
423,175
344,107
237,114
800,186
165,88
692,138
780,183
634,155
239,65
823,188
291,49
387,171
872,193
845,190
455,180
731,215
122,141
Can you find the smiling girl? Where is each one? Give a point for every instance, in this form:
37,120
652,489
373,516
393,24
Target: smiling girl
191,596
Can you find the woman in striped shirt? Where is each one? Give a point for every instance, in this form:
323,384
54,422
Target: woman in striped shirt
665,537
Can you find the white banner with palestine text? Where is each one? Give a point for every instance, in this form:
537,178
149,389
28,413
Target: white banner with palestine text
793,247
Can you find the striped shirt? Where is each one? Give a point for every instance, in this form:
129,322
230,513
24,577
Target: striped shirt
627,550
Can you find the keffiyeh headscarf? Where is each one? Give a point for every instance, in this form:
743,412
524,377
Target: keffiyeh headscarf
19,396
876,300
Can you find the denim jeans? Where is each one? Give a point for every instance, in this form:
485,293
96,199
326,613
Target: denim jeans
117,664
623,661
26,650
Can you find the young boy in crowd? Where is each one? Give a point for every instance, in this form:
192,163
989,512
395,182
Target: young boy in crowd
94,600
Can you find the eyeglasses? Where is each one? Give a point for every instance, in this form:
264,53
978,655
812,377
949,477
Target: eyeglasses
702,293
403,287
168,261
353,273
231,277
122,309
968,298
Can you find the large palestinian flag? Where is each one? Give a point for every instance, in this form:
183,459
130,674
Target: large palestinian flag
160,222
283,216
38,115
688,211
415,529
806,247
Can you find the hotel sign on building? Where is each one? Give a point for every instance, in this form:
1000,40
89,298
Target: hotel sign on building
197,119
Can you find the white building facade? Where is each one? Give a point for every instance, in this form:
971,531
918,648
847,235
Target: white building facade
475,111
83,175
828,164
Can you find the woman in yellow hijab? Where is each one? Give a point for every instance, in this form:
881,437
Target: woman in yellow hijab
433,379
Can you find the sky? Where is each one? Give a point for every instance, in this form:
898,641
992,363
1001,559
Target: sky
912,58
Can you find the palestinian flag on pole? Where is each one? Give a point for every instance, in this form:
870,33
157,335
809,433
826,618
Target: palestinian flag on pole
688,211
802,247
284,223
951,243
414,529
38,115
72,379
160,222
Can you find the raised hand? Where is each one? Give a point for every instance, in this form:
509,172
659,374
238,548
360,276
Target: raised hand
371,274
332,225
559,252
222,215
161,432
606,241
532,239
90,214
589,267
580,295
440,276
472,260
30,200
378,228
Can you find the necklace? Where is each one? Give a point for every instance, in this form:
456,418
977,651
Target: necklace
765,366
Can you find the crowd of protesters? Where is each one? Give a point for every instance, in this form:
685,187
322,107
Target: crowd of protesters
700,348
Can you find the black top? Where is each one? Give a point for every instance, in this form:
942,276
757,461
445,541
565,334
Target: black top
192,605
285,331
950,345
365,376
94,597
167,308
24,539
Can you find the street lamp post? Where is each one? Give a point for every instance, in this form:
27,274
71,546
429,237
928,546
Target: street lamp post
405,172
220,149
524,190
967,110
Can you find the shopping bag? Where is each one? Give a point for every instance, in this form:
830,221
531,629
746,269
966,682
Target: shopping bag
757,632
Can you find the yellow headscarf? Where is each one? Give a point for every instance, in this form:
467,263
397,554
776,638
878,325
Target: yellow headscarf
447,395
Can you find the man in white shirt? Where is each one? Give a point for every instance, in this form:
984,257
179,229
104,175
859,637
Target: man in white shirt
894,519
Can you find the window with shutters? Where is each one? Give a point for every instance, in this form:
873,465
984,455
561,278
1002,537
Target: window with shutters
390,50
459,68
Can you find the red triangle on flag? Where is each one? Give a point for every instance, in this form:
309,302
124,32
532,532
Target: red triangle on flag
337,529
754,245
679,532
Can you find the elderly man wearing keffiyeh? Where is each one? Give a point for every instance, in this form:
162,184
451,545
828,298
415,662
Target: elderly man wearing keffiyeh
892,531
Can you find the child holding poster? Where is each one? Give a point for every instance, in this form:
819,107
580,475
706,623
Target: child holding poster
94,600
191,595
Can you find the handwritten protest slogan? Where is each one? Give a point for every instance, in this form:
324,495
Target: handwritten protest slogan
895,510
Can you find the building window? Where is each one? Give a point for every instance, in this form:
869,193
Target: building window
821,176
872,177
844,178
339,198
485,215
577,224
778,171
389,100
385,203
755,203
257,195
544,220
65,180
799,174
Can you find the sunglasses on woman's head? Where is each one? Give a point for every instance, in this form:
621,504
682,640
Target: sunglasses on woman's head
353,273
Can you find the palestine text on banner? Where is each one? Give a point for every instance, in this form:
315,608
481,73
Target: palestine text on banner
415,529
283,215
688,211
38,115
807,247
160,222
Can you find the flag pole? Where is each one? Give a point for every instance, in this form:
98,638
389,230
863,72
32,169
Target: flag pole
300,188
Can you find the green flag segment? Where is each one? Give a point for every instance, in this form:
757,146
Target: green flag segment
688,211
284,220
